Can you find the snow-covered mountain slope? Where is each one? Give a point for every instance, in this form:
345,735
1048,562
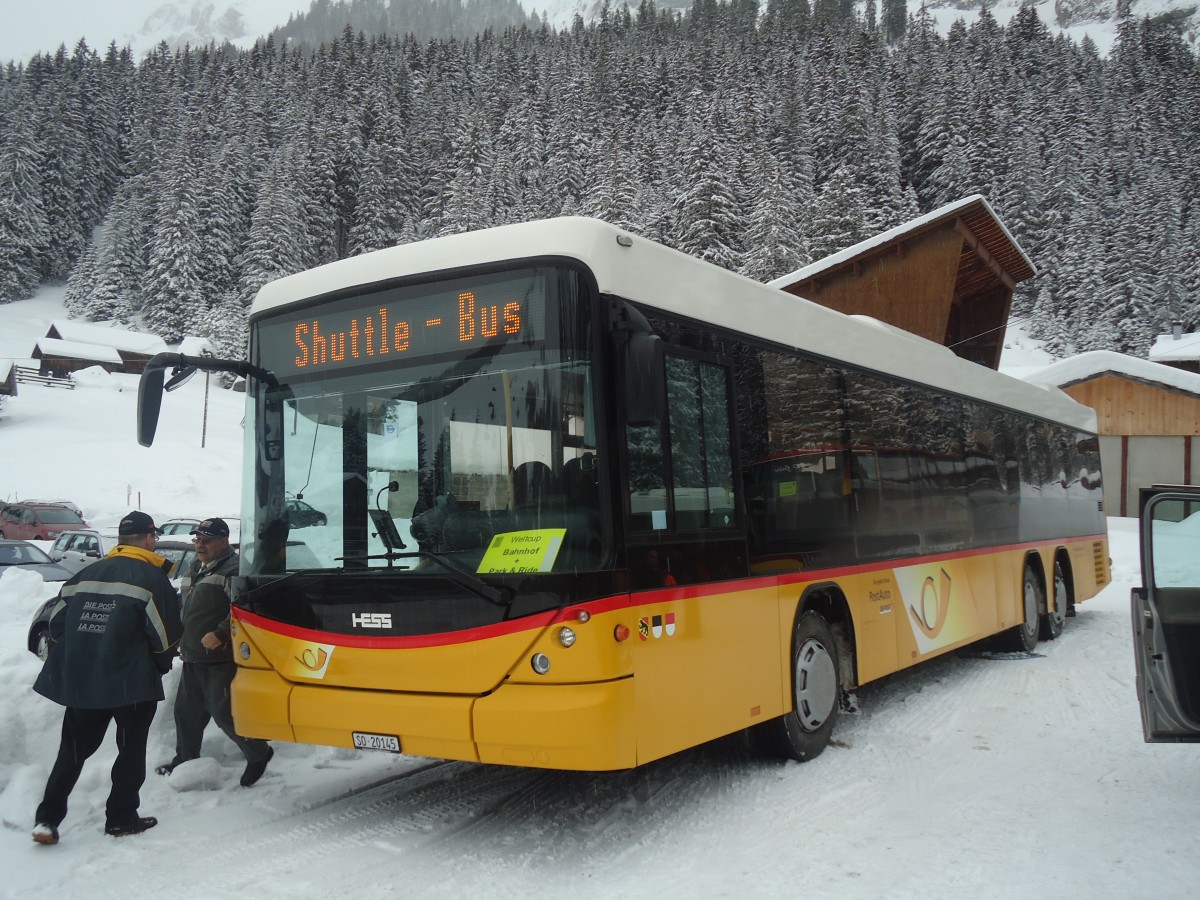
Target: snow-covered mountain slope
1095,18
143,24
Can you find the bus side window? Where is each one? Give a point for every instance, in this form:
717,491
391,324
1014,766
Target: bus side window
699,450
647,478
701,446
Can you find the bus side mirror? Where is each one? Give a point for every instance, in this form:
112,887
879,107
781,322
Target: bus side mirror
150,394
643,379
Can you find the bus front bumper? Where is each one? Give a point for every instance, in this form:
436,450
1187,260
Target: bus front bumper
587,727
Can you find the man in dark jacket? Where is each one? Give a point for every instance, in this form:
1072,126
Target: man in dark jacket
113,635
208,666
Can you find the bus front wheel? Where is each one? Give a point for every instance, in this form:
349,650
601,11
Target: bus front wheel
805,731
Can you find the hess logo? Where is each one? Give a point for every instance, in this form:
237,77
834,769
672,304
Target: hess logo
371,620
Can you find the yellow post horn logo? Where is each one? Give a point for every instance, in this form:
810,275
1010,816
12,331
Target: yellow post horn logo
935,606
313,660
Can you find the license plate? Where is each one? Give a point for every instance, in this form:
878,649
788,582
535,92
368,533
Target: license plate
365,741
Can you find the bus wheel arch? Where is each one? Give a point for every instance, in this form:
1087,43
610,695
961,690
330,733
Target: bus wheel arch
828,601
821,666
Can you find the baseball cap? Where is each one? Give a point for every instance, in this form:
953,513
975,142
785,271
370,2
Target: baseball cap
212,528
138,522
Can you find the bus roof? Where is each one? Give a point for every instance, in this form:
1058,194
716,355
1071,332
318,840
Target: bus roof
637,269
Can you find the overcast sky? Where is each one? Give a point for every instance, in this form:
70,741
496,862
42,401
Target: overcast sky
31,26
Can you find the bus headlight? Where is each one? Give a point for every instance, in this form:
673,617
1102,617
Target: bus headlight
244,649
540,663
566,636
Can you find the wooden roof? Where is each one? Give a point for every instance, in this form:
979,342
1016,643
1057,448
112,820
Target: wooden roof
989,251
947,276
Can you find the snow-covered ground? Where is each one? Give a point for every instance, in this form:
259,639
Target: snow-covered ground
972,776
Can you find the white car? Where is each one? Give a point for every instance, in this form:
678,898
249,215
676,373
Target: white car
183,525
73,550
180,526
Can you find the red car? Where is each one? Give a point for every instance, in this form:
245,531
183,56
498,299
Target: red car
37,521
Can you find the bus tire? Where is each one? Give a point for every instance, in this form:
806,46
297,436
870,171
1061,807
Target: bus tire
1054,620
816,688
1023,638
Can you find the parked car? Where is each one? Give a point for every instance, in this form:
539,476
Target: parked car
69,504
75,549
179,526
1166,614
180,551
183,525
301,514
39,630
182,554
29,558
37,521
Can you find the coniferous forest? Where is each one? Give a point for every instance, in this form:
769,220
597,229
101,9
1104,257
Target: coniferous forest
172,187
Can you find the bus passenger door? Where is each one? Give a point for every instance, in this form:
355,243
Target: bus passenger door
705,647
1166,615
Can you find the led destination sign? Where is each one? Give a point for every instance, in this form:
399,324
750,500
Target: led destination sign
388,327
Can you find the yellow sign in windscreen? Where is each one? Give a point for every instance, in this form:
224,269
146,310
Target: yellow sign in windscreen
523,551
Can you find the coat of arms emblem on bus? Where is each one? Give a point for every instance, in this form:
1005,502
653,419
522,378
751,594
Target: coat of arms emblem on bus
656,625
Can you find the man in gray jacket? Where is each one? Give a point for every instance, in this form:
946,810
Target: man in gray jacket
208,666
113,632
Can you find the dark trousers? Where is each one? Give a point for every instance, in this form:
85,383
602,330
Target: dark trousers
204,694
82,733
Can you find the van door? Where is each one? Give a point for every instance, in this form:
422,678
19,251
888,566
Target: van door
1166,614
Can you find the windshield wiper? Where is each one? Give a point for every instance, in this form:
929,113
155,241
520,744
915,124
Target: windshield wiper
500,596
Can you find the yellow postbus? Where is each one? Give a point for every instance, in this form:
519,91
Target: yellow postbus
572,499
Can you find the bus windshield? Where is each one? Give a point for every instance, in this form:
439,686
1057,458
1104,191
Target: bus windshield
449,423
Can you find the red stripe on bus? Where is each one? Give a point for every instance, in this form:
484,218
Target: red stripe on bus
465,636
623,601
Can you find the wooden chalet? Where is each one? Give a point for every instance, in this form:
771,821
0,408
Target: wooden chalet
82,344
947,276
1148,416
8,378
1179,349
58,358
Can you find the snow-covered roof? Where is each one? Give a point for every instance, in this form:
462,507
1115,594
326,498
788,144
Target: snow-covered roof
1167,348
78,350
116,338
950,210
195,346
1102,362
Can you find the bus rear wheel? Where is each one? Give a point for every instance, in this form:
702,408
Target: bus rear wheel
1024,637
1053,620
805,731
